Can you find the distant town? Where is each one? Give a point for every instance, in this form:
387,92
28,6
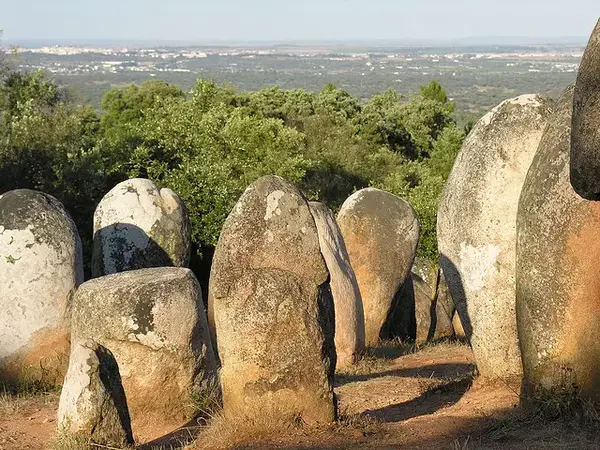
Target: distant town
476,77
181,59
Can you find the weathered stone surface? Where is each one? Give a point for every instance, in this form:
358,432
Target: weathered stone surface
40,268
434,307
421,314
349,315
558,277
477,228
433,314
273,309
459,330
585,138
426,270
381,232
154,323
92,401
138,225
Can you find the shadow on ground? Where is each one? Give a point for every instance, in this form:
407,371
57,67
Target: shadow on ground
436,371
175,440
428,403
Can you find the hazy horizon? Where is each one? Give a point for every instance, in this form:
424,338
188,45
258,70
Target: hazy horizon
267,21
466,41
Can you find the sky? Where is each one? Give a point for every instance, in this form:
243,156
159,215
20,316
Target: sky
205,21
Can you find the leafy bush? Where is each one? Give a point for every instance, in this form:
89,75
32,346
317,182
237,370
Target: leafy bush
209,144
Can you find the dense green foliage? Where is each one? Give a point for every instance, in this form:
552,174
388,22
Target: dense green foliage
210,143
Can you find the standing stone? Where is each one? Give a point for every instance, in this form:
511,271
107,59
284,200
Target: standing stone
381,232
426,270
433,314
154,323
421,314
138,225
349,314
273,309
585,139
558,277
40,269
434,307
476,228
92,402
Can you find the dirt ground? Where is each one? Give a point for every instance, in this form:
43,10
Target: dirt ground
430,399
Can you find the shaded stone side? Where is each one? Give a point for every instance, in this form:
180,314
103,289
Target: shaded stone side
349,314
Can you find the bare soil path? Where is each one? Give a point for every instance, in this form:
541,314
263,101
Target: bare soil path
425,400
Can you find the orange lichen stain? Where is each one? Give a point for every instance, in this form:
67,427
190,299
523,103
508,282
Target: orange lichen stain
579,345
45,359
363,251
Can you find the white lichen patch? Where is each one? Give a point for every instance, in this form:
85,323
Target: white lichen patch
531,100
149,339
478,265
273,204
354,199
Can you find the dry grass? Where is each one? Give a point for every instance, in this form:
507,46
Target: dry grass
460,444
9,403
381,358
66,441
69,441
12,402
207,403
224,433
377,359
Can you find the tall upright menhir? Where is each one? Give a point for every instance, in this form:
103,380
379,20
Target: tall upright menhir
585,135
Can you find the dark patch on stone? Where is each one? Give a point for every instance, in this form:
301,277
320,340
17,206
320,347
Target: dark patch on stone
143,316
326,319
111,379
401,322
48,220
120,238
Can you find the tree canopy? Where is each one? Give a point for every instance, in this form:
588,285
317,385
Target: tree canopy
210,143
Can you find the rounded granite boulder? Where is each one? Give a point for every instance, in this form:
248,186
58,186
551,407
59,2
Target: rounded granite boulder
476,228
138,225
153,321
40,269
585,136
381,232
272,308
